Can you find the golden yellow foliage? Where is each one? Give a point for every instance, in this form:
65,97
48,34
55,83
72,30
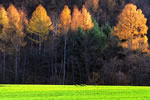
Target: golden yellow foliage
131,22
23,16
23,20
13,16
12,32
14,21
65,19
76,19
86,20
132,28
3,16
139,43
40,23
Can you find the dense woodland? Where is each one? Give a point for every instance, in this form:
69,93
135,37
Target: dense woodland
97,42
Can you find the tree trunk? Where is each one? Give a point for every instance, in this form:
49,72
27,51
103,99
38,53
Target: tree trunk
65,44
86,64
4,66
51,70
40,45
79,72
24,68
72,72
31,48
87,68
16,64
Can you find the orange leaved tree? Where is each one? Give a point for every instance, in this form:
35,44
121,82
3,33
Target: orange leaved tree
65,21
39,25
12,36
3,16
132,29
86,19
76,19
3,23
81,19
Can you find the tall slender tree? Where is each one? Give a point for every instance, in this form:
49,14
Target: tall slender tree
24,23
12,35
3,22
39,25
65,21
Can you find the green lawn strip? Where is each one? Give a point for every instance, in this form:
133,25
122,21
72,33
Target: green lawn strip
58,92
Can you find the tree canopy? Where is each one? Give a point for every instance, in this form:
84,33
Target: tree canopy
40,23
132,28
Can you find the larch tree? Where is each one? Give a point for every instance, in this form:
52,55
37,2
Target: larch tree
15,25
24,23
86,19
3,16
76,21
24,20
65,21
81,19
14,20
12,36
3,23
39,25
132,29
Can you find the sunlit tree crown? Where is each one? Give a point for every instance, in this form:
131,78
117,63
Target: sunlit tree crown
13,15
131,22
132,28
76,19
86,19
65,19
40,22
3,15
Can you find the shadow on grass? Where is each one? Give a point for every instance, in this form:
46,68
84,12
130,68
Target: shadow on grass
3,85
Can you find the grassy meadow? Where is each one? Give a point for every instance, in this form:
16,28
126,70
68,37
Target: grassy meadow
73,92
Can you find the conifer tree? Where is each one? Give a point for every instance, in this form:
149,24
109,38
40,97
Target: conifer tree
39,24
86,20
12,32
65,19
12,36
3,16
132,29
3,23
76,19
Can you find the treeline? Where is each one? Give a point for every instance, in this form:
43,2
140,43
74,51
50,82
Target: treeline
74,46
108,10
41,39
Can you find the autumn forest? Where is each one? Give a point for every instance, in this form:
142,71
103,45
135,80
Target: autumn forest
95,42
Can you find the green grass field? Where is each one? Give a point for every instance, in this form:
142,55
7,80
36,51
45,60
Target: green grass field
56,92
